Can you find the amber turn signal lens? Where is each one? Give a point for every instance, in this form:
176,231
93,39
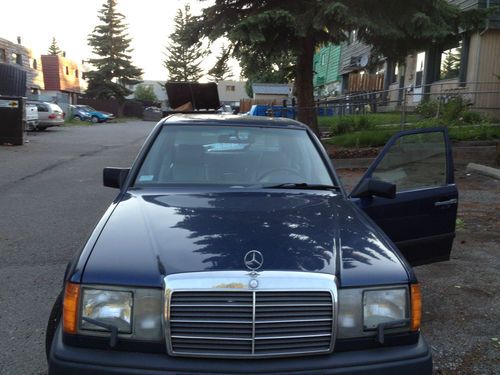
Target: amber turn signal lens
70,307
416,307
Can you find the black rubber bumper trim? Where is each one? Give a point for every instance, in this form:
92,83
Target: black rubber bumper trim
409,360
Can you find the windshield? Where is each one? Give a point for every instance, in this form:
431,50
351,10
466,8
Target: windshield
87,108
232,155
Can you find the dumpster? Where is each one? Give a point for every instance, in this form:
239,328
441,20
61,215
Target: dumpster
11,120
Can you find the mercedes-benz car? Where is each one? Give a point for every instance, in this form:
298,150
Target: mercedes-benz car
232,247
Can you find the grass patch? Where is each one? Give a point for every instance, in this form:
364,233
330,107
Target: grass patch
374,119
379,137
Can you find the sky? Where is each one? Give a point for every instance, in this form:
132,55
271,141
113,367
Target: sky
71,21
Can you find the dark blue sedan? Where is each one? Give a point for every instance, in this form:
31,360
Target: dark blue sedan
232,247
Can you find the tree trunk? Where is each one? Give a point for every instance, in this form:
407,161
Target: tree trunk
304,84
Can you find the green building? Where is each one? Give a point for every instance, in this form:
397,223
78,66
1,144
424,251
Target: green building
326,79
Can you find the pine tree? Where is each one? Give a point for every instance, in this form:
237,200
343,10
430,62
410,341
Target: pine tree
221,70
54,48
276,27
450,67
114,70
183,56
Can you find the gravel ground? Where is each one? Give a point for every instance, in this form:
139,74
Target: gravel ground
461,297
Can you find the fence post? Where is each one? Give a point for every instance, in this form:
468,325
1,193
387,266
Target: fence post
403,111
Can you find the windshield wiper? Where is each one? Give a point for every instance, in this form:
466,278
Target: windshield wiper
301,186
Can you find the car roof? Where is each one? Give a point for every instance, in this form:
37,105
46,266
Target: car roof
232,120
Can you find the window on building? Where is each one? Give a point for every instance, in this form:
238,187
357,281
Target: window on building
395,74
352,37
76,73
35,64
17,58
3,56
450,62
323,59
67,71
230,88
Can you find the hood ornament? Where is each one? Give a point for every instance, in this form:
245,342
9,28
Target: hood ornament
254,260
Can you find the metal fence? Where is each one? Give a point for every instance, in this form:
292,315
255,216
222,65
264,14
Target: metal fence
479,96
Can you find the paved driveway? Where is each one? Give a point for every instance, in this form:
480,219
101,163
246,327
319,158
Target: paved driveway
50,198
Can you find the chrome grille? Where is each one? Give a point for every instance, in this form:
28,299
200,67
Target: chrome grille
255,323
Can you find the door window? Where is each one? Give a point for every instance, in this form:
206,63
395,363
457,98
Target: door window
414,161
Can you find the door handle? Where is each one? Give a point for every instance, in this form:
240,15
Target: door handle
446,203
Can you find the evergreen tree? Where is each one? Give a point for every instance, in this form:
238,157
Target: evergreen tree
221,70
114,70
276,27
450,67
54,48
184,55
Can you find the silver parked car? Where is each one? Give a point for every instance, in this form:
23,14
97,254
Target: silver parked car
49,114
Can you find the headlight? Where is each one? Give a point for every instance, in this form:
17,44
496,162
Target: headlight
106,306
381,306
362,309
135,312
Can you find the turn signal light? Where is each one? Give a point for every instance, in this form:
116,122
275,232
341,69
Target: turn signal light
416,307
70,307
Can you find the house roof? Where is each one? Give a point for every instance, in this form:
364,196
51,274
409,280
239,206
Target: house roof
272,88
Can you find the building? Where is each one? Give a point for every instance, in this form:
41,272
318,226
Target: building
158,88
474,62
231,92
62,80
326,65
15,53
272,91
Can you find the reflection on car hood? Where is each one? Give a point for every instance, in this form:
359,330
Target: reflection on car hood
151,235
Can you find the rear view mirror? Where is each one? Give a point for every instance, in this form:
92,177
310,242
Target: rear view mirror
114,177
370,187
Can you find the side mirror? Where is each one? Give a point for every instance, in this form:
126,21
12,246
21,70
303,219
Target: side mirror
114,177
370,187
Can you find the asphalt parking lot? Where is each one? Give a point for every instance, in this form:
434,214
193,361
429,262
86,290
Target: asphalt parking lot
51,196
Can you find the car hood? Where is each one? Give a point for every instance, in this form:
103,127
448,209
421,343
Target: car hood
150,235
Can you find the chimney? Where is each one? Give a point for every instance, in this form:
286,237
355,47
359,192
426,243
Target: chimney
18,40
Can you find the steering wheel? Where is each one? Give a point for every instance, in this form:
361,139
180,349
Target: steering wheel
275,170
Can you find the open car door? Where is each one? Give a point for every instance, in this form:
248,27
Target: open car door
419,215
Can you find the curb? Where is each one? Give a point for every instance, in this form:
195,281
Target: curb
484,170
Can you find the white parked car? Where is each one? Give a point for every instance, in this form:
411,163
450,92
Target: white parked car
31,116
49,114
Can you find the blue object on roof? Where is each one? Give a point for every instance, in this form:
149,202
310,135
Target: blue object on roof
272,111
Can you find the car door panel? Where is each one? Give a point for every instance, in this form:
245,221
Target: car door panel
420,220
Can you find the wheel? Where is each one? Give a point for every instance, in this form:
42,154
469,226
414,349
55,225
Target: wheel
77,118
41,128
94,119
54,318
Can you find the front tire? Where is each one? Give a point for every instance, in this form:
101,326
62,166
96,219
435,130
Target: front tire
54,318
94,119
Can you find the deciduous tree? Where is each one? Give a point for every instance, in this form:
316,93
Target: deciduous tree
145,93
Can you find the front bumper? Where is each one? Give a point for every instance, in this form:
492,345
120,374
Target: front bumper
409,359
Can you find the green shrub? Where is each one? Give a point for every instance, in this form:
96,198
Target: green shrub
344,125
364,123
453,109
470,117
427,108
